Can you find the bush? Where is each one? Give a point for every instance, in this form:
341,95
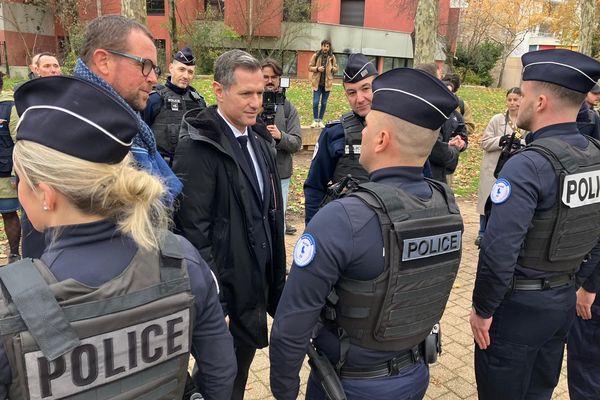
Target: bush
477,62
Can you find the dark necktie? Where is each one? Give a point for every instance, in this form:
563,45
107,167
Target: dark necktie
243,140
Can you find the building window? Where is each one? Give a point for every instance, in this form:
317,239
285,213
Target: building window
155,7
289,63
393,62
215,9
352,12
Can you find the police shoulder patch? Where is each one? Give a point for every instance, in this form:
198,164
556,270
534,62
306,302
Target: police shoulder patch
500,191
305,250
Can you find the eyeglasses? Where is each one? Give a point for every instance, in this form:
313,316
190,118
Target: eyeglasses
147,65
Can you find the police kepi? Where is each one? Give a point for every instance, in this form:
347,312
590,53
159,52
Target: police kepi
185,56
86,122
358,68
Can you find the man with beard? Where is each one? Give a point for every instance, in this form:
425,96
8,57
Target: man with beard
543,223
286,132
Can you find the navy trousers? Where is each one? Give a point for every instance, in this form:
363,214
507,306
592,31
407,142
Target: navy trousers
410,384
583,357
527,345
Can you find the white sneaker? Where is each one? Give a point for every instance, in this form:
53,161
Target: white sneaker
321,124
315,124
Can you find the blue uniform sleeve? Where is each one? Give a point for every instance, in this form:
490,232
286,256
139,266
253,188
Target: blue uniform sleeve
212,344
304,296
321,170
507,228
152,108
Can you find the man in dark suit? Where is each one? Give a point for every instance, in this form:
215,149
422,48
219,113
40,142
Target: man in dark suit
231,207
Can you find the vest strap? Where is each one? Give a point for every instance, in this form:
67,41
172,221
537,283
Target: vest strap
39,309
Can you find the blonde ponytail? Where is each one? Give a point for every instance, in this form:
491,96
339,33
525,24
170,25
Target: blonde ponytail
130,196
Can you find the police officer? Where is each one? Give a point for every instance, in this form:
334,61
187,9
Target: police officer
338,148
588,119
389,250
116,303
583,346
168,103
543,223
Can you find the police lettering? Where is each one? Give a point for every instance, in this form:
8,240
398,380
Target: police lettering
581,189
429,246
104,358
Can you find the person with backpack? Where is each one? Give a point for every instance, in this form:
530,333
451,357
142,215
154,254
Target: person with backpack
9,204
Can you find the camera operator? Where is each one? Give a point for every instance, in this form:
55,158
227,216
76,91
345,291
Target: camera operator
283,124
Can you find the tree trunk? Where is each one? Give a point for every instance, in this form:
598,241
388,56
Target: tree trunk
173,26
134,9
426,22
587,26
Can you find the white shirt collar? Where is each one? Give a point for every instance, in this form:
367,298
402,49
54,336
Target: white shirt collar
236,132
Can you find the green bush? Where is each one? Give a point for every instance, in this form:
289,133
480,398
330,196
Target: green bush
476,63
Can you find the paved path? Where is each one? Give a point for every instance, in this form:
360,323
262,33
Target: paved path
452,377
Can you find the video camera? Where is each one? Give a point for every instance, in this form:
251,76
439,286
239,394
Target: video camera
272,99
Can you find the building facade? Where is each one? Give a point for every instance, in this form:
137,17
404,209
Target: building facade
380,29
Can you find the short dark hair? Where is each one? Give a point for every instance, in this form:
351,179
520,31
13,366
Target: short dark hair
269,62
231,60
514,90
453,79
109,32
326,41
567,96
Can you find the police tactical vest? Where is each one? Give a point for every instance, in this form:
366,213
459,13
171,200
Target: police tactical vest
6,142
422,247
559,238
348,162
168,121
128,339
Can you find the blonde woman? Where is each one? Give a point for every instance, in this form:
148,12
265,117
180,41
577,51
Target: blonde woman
116,303
500,126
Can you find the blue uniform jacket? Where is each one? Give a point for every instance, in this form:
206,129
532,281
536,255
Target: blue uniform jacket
348,241
330,148
95,253
534,187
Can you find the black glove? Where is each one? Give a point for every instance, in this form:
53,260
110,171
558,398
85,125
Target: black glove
503,140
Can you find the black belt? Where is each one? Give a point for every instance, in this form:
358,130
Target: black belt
542,283
390,368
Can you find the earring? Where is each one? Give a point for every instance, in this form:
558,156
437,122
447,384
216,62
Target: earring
45,207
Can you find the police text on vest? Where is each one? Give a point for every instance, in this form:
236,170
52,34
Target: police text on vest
429,246
581,189
107,357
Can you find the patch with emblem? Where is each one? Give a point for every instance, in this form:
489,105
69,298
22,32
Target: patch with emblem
305,250
315,151
500,191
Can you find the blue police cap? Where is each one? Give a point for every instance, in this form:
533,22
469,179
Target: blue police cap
569,69
75,117
185,56
358,68
414,96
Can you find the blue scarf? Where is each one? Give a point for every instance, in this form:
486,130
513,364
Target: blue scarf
144,144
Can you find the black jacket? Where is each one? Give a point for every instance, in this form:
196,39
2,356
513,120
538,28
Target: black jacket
240,236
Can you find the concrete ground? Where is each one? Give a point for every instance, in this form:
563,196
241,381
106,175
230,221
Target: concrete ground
453,376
